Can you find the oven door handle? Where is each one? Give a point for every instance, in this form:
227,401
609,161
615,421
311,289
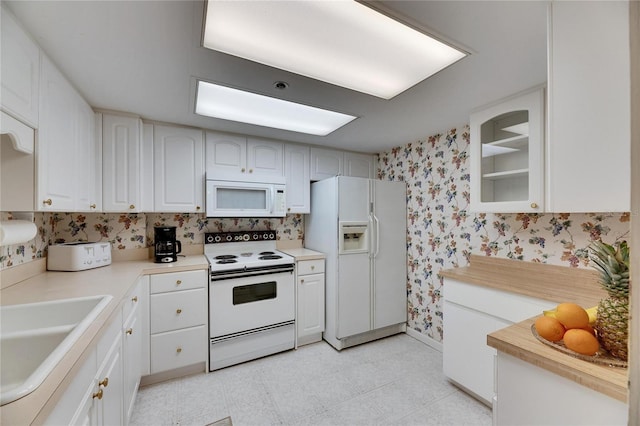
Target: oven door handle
219,276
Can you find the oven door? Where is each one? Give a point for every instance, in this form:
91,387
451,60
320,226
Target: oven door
249,302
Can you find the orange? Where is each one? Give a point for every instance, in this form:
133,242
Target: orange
549,328
572,315
581,341
590,329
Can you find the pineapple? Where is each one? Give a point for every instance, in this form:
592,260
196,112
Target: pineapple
612,323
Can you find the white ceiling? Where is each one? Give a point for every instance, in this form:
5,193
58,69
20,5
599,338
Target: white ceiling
143,57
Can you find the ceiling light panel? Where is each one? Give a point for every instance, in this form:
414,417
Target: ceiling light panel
226,103
340,42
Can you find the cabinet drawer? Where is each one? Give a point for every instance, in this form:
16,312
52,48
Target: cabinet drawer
306,267
176,349
178,309
162,283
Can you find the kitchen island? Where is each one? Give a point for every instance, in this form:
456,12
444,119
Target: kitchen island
522,359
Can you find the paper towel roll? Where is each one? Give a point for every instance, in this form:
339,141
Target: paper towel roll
16,231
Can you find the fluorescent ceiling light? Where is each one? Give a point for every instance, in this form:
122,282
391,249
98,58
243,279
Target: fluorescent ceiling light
340,42
223,102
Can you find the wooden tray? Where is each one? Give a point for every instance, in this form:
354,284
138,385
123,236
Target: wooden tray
601,357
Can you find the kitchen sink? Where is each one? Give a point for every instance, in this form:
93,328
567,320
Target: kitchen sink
34,337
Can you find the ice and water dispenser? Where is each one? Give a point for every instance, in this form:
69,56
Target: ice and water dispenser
353,237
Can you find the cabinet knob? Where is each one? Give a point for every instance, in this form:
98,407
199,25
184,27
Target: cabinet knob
92,206
178,282
534,205
313,267
104,382
301,281
48,201
197,207
134,299
250,170
98,394
178,350
129,331
242,170
132,207
178,311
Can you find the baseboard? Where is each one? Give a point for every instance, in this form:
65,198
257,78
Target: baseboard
425,339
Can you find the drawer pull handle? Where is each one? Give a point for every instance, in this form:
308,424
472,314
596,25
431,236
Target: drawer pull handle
178,311
104,382
48,201
129,331
178,282
134,299
178,350
98,394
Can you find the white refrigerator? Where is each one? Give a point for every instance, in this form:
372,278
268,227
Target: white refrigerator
361,226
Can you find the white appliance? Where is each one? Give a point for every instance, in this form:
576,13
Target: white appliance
245,199
251,297
361,225
78,256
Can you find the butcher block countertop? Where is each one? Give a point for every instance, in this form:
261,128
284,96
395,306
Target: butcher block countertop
548,282
117,280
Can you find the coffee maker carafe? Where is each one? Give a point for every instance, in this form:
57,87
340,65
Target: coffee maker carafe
166,246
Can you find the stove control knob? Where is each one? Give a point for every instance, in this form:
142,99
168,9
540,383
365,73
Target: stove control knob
265,236
229,238
245,237
217,238
256,236
271,236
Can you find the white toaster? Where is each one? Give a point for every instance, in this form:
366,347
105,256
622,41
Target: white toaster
78,256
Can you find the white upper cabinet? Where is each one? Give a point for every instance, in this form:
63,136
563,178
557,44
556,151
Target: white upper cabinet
89,168
65,146
296,162
588,144
121,161
232,157
359,165
326,163
20,71
178,154
507,153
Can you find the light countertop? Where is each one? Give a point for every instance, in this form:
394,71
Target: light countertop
548,282
116,280
303,254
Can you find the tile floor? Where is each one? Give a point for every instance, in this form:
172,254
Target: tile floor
393,381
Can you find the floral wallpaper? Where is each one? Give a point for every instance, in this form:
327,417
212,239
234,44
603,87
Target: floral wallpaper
133,231
442,233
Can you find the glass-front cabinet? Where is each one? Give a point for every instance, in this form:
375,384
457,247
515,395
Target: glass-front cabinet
507,151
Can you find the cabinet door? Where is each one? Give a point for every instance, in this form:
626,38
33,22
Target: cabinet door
56,147
132,357
326,163
109,378
359,165
507,155
121,163
466,357
310,306
265,158
89,178
178,169
589,107
17,169
20,71
297,178
178,309
226,156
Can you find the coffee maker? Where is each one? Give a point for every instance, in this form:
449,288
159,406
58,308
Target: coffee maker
166,246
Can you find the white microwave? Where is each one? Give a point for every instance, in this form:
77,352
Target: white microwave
245,199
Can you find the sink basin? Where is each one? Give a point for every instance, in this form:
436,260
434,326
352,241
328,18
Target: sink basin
35,336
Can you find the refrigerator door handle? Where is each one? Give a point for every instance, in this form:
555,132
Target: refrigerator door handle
377,221
371,236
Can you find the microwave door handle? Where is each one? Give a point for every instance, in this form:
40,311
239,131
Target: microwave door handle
273,199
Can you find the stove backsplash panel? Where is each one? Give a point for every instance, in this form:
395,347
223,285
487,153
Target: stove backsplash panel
134,231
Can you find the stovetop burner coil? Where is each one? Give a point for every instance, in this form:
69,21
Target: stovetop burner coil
270,257
225,256
225,261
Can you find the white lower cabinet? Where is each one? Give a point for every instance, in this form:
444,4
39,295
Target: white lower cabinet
310,300
177,320
470,313
103,389
530,395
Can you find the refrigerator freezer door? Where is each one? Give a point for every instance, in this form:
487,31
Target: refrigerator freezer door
354,295
353,201
389,253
